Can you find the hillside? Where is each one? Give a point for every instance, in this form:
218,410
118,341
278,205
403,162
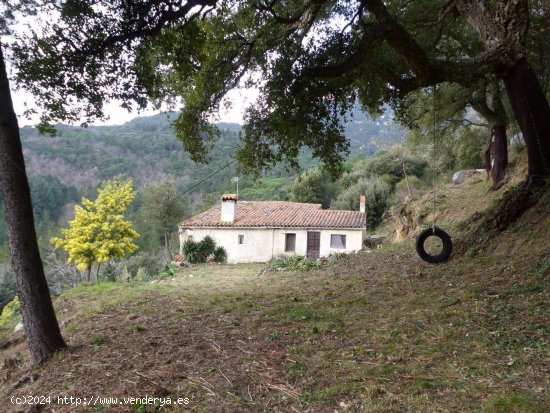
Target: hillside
146,148
378,331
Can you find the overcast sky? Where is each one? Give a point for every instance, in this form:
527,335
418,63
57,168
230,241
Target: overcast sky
239,99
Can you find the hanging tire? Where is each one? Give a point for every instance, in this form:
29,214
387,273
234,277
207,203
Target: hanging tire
445,251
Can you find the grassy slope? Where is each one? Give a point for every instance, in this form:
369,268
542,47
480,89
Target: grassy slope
376,332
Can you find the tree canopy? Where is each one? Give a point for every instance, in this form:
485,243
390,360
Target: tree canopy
312,60
99,231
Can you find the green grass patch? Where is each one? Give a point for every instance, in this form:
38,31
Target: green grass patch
513,402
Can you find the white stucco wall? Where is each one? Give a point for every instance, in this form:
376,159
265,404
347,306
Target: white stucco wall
263,244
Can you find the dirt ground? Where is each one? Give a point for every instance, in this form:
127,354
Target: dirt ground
376,332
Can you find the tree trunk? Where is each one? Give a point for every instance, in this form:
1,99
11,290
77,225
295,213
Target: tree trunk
487,155
489,105
532,113
167,244
88,273
499,149
41,327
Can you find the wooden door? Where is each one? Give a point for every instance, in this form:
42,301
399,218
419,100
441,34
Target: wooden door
313,245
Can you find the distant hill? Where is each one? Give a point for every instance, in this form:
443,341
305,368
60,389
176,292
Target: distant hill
146,148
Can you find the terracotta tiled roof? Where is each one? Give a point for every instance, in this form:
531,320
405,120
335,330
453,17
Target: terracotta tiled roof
279,214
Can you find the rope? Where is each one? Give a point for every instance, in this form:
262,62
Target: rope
433,157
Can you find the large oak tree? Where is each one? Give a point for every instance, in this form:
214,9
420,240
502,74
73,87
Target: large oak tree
311,60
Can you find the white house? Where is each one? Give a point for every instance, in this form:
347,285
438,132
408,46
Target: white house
257,231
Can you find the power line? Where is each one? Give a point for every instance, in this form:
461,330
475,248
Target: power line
208,177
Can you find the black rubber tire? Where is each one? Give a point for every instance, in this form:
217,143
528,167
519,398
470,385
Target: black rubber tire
445,251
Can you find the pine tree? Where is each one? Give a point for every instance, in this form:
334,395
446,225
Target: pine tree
99,231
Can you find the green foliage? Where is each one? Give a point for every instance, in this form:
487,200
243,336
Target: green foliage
141,274
377,192
7,287
168,271
109,272
207,246
99,231
191,251
49,195
294,263
458,143
469,149
124,275
98,340
512,402
145,261
198,252
314,186
392,164
517,146
220,254
162,207
199,60
10,312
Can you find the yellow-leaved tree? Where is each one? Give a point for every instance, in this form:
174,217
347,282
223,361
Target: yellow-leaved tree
99,231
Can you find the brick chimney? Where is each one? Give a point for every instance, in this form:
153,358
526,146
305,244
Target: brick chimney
363,203
229,208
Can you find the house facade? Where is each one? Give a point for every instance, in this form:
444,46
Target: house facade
257,231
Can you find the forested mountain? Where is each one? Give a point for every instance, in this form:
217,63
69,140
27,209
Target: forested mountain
146,148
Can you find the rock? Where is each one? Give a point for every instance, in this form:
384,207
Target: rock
373,241
460,176
18,327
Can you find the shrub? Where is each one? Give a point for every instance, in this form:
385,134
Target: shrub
197,252
206,248
124,275
470,150
191,251
392,163
150,263
141,274
220,255
314,186
168,271
377,192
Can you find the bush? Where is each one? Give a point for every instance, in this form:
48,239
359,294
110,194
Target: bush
220,255
141,274
314,186
148,262
206,248
191,251
391,163
377,192
124,276
470,148
168,271
197,252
